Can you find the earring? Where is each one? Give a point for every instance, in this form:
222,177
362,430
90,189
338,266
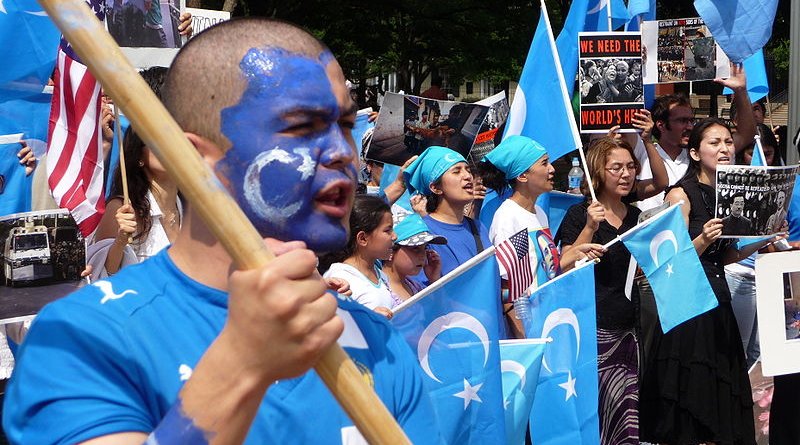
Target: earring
141,163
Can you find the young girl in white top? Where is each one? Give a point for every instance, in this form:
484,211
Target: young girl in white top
371,241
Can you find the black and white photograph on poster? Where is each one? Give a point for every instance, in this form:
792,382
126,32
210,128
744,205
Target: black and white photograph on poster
491,132
146,30
41,248
753,201
407,125
681,50
610,80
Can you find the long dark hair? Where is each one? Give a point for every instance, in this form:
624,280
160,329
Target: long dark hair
138,182
493,177
368,210
695,137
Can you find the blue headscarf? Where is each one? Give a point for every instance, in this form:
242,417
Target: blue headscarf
515,155
429,167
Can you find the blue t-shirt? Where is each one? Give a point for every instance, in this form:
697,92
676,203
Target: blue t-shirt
113,356
794,212
460,242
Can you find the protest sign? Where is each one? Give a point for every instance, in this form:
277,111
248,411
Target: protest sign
41,248
492,129
681,50
753,201
206,18
407,125
778,310
146,30
610,79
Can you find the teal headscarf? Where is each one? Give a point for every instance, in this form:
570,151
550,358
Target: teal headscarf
429,167
515,155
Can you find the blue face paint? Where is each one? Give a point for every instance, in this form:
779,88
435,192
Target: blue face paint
291,187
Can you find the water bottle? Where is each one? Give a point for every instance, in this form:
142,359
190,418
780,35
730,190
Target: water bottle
575,177
522,310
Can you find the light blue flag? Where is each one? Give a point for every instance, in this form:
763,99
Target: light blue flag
29,51
15,187
740,27
520,361
665,252
29,117
556,204
756,72
597,15
454,331
565,407
541,86
642,10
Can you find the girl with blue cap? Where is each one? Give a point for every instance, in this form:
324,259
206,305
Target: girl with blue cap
523,165
444,178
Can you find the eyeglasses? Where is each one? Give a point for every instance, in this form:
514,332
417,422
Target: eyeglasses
685,120
617,169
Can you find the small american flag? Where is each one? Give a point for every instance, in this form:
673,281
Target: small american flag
513,255
75,147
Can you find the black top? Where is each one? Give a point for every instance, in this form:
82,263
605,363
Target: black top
702,198
614,310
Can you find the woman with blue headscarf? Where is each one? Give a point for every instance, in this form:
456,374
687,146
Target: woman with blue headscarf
522,164
444,178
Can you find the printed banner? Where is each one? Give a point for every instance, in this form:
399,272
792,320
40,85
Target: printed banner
146,30
491,131
753,201
681,50
610,78
407,125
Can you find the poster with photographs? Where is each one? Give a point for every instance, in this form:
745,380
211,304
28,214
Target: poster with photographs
407,125
778,311
753,201
146,30
41,248
681,50
491,131
610,80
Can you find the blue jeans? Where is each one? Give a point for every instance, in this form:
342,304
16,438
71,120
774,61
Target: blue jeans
743,300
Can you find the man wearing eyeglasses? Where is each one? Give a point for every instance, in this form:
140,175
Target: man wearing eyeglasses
674,119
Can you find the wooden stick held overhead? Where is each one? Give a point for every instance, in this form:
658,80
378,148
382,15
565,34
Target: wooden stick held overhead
208,196
126,199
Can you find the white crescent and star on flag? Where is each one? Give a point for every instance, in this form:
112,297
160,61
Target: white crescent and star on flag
563,316
453,320
514,367
663,237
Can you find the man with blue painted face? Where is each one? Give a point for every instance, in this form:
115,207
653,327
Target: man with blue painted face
179,349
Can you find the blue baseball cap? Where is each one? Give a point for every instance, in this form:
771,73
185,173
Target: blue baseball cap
411,230
515,155
429,167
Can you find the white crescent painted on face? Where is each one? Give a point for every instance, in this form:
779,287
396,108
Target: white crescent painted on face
658,240
558,317
515,367
450,321
252,183
600,5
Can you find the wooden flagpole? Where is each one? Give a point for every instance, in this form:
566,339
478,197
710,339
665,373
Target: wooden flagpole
208,196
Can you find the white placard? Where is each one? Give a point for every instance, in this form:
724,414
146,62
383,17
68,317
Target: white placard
206,18
777,302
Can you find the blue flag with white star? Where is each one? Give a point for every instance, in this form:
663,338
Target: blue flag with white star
668,258
565,407
454,331
520,362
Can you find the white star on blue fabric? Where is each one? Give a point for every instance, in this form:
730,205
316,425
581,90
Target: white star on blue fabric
669,270
469,393
569,387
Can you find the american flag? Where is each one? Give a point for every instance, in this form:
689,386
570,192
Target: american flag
513,255
75,145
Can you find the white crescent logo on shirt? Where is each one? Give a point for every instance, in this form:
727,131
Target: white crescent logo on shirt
108,291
